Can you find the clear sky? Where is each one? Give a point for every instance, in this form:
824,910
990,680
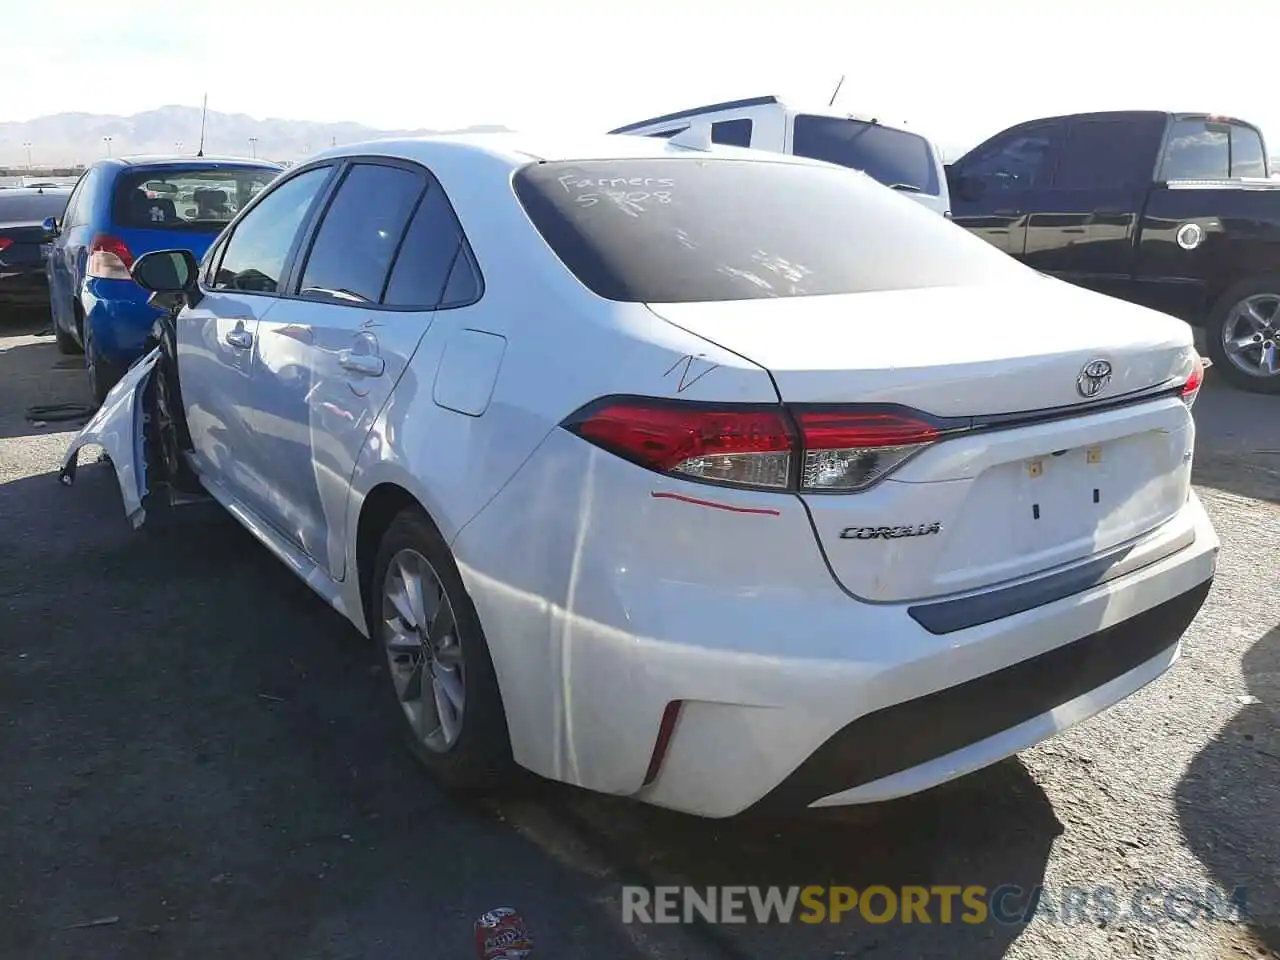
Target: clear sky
955,71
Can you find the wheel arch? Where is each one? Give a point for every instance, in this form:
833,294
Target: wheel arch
381,505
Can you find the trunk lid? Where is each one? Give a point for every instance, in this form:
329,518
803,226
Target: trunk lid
25,247
1002,497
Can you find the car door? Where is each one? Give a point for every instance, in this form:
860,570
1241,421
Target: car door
376,269
216,338
992,184
68,251
1081,225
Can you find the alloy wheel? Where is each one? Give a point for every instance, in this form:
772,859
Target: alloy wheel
1251,335
420,635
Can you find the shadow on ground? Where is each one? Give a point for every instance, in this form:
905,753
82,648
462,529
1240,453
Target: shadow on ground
196,751
34,370
994,828
1224,799
1237,441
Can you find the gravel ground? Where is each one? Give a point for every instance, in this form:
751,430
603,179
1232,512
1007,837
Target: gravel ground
193,752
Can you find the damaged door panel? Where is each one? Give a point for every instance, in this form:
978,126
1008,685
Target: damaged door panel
142,427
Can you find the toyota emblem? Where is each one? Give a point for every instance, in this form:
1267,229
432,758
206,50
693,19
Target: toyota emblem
1093,378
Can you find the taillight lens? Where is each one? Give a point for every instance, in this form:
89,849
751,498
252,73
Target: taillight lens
779,448
1191,389
851,449
748,447
109,258
5,243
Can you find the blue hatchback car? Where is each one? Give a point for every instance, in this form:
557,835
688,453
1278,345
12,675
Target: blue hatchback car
121,209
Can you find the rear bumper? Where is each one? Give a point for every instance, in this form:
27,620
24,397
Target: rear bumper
933,738
24,288
120,317
792,694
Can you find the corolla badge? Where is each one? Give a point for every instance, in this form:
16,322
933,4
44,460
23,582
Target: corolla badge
890,533
1093,378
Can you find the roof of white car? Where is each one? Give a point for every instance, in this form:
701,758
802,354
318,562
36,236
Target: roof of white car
518,149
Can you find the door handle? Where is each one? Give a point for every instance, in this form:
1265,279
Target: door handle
240,338
366,364
1007,212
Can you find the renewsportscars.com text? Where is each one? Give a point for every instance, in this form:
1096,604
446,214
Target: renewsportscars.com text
970,904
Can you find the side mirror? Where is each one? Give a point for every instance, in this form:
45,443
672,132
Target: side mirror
168,272
50,226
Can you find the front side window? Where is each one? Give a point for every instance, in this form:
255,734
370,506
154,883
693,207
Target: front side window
893,157
196,199
1021,160
1197,150
361,230
259,248
688,229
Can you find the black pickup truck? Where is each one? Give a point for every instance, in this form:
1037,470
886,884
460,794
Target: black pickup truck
1170,210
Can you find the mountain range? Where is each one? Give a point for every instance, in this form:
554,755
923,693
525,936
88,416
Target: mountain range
78,138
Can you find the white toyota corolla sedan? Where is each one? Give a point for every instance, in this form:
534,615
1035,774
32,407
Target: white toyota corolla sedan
718,479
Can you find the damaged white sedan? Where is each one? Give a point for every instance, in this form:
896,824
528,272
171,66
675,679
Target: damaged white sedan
717,479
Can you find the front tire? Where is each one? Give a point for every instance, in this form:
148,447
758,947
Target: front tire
1242,336
439,676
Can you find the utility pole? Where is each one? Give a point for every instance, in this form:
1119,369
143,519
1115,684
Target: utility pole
107,141
27,144
253,147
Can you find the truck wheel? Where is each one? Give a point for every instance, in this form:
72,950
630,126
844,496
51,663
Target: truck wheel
1242,336
439,678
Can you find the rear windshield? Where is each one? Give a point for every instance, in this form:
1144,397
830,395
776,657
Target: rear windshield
894,157
680,230
31,207
201,199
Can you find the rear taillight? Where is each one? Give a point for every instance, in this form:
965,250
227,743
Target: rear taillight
851,449
5,243
773,447
1191,389
109,258
749,447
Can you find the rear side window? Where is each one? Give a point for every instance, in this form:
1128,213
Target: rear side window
1104,153
1247,156
666,134
31,207
433,251
673,230
893,157
357,239
1197,150
197,199
732,133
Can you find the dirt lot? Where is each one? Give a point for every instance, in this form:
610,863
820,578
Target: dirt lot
193,754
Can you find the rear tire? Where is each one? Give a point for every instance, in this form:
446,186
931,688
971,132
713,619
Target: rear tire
67,344
1232,320
477,757
103,373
